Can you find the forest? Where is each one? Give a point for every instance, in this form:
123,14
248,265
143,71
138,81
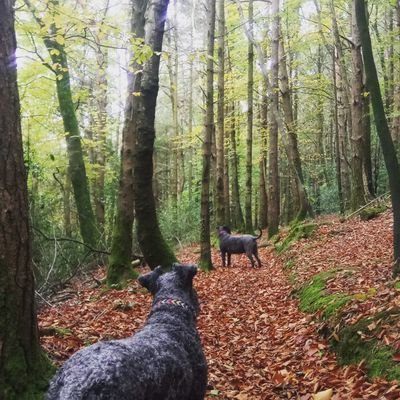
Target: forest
130,131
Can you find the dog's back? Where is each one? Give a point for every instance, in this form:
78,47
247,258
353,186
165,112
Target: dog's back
164,360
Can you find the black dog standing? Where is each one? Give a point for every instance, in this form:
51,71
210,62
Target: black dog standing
237,244
163,361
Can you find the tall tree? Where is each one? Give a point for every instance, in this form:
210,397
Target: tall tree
205,245
23,368
290,138
273,156
153,245
382,127
249,138
119,267
173,70
221,206
54,40
357,123
343,110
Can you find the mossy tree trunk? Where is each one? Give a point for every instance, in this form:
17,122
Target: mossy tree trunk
55,44
153,245
119,266
382,127
23,368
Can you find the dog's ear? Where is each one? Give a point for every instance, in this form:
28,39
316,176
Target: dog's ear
226,229
185,272
149,280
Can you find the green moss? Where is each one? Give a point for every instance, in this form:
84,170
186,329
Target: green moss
358,343
21,385
299,231
56,331
371,212
313,296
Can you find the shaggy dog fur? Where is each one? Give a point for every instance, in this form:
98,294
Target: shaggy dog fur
163,361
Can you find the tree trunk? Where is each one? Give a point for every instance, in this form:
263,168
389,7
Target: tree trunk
336,136
154,247
119,266
263,197
382,127
292,149
236,214
273,172
55,44
357,125
396,89
172,65
220,204
342,136
249,138
23,368
205,245
100,97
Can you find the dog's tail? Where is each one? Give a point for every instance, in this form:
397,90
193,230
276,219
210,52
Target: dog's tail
258,237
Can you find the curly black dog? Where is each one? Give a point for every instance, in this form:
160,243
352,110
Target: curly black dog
162,361
237,244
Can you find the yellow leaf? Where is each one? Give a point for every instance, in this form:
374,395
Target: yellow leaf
324,395
136,94
60,39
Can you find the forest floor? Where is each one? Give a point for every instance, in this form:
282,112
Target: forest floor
258,344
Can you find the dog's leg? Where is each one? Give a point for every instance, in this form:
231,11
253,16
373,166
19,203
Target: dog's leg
229,259
223,259
256,257
250,257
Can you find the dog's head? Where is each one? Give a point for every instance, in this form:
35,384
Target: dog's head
177,283
223,229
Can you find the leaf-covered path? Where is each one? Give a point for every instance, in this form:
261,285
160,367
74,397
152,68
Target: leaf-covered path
258,344
261,347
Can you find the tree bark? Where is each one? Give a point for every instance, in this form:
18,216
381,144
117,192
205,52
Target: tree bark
23,368
221,206
382,127
153,245
263,197
292,149
205,245
249,139
273,171
357,126
119,266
